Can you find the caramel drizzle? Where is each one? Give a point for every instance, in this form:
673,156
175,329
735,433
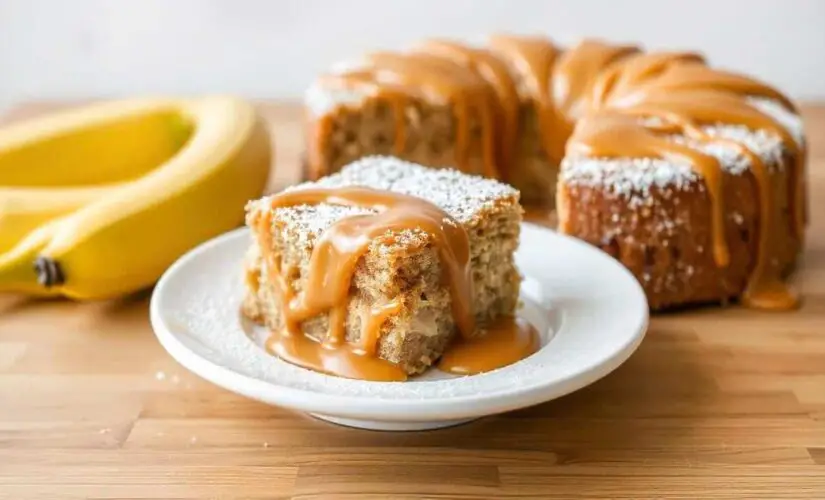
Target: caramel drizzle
532,59
614,133
399,77
681,77
617,83
495,73
340,247
765,288
577,70
371,330
694,77
291,345
333,262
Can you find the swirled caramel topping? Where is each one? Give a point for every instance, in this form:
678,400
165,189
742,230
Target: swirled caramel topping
495,73
698,77
532,60
623,129
400,77
598,99
576,71
618,83
329,278
611,134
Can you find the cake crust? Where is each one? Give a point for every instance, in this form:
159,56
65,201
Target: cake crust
657,224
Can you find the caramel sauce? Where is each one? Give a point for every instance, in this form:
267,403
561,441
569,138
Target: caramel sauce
339,248
612,134
765,288
576,71
533,59
619,82
399,77
371,331
501,343
340,360
593,100
609,133
693,77
495,73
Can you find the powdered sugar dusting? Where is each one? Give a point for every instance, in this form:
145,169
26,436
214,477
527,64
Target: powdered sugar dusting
306,222
633,178
460,195
764,144
627,177
788,119
320,100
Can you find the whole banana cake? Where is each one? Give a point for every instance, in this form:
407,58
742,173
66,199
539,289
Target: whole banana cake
692,177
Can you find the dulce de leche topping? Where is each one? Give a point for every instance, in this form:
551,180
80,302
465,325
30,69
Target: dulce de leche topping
398,77
599,100
641,107
332,265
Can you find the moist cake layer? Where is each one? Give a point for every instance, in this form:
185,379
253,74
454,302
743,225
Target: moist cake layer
404,269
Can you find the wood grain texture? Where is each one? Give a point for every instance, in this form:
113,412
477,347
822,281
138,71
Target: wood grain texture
716,404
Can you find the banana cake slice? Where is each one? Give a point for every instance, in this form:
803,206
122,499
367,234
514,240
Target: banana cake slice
403,269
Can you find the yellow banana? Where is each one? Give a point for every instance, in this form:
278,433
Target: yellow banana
117,141
18,267
125,240
24,209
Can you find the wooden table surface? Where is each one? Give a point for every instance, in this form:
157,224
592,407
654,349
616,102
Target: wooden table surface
715,404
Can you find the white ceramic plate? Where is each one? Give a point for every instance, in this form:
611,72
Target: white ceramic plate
590,311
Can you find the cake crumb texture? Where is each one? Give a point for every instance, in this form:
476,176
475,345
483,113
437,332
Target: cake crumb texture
406,268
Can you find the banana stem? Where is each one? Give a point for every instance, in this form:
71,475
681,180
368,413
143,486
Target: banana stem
19,268
49,272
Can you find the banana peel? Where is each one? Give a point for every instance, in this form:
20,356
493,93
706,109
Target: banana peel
24,209
118,141
116,232
19,266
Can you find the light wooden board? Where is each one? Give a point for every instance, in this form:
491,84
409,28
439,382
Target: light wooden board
716,404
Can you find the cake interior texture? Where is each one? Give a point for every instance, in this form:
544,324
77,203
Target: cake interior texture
701,200
347,119
404,269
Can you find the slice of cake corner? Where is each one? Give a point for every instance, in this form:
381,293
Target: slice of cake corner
405,270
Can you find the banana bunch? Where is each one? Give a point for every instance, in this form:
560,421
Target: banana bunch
97,202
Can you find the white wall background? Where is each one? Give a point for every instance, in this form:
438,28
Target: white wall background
88,48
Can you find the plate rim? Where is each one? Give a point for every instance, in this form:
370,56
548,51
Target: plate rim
377,408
